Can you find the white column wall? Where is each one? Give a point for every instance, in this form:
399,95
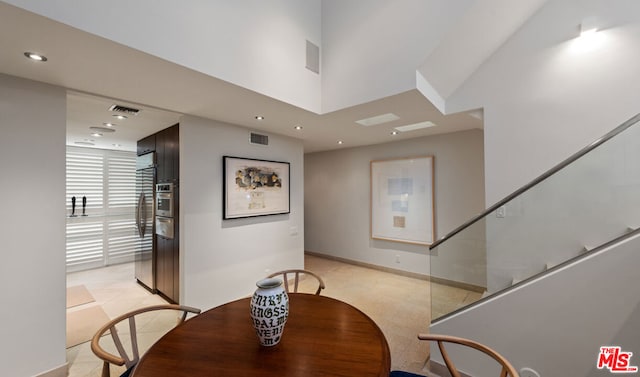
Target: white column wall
32,272
337,202
221,260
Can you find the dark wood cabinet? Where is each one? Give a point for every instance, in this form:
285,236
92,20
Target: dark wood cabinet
168,257
167,264
167,251
146,145
168,154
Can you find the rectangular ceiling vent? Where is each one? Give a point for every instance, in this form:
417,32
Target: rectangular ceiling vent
259,139
124,109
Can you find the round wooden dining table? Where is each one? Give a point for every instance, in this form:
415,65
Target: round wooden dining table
322,337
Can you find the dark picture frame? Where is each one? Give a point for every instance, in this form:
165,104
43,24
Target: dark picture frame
254,187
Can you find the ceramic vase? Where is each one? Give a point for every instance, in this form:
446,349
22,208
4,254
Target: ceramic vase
269,311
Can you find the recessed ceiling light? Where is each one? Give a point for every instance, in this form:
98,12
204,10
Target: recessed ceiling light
298,127
340,142
107,124
259,117
96,134
102,129
118,116
415,126
379,119
36,57
393,133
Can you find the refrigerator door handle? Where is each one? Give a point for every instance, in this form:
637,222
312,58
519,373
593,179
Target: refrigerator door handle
141,218
138,215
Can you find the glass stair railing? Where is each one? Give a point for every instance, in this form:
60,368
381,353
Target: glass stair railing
587,201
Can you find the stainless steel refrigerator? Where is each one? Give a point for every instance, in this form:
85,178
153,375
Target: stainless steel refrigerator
145,250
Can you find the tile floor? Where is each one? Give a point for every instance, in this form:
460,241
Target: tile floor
400,305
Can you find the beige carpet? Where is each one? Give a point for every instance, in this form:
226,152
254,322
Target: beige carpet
82,324
78,295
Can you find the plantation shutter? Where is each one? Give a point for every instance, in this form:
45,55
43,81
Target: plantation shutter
106,234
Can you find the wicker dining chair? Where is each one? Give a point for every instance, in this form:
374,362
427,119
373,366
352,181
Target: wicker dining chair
507,368
124,359
296,279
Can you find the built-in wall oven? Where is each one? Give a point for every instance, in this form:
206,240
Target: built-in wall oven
164,199
164,210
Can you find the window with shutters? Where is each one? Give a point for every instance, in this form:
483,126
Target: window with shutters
103,232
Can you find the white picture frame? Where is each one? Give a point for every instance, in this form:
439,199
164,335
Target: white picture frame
402,200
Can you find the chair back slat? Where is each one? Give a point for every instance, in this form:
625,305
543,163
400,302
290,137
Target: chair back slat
134,341
118,343
296,279
447,360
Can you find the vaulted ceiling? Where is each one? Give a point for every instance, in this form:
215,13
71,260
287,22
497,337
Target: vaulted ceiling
369,66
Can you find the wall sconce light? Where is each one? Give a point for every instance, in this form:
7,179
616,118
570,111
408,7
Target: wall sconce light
588,27
590,37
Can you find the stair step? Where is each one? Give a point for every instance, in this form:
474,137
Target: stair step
549,266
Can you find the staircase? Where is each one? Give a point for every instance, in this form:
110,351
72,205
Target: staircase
571,211
559,260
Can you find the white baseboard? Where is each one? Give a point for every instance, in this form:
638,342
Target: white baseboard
61,371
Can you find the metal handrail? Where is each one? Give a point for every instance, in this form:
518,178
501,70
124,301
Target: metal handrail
541,178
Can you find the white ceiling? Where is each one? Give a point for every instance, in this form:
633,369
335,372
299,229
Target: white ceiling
100,73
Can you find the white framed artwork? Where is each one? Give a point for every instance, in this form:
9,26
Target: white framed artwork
402,200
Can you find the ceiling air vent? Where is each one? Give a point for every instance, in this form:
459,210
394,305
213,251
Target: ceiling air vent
124,109
259,139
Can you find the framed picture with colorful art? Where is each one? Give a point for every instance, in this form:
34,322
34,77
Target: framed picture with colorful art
255,187
402,208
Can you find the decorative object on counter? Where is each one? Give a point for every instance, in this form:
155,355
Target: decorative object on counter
254,187
84,205
73,206
402,208
269,311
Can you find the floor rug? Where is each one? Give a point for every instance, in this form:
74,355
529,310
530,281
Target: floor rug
82,324
78,295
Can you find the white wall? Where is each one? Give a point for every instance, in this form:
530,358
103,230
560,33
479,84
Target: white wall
557,325
372,48
32,272
544,99
221,260
337,202
254,44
